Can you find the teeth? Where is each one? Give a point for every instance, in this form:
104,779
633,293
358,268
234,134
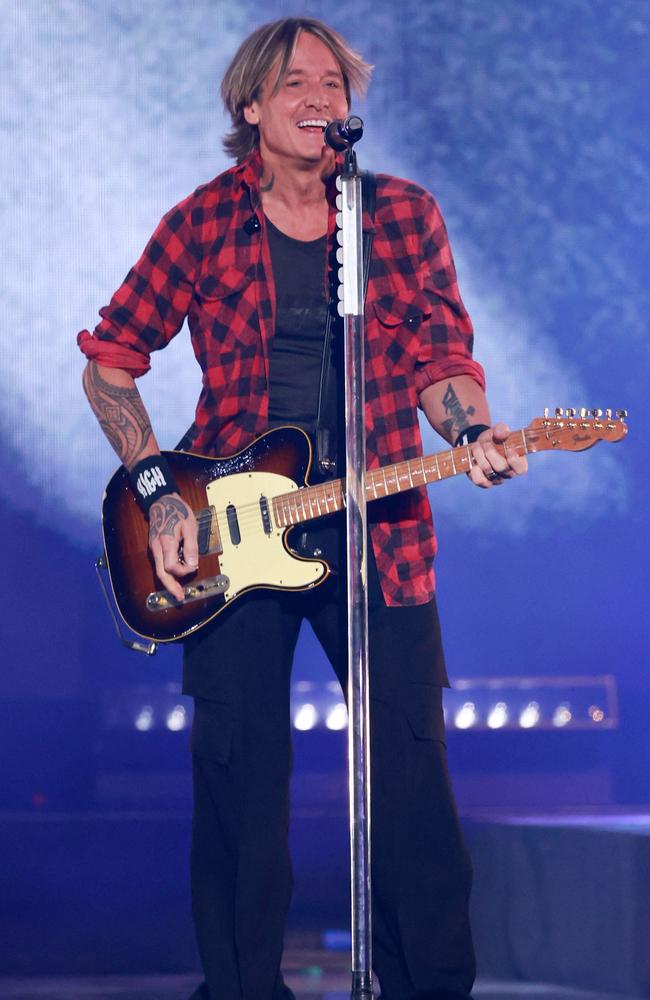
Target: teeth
313,122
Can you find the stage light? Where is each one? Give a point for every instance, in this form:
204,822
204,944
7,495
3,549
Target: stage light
562,715
306,717
498,715
337,717
596,714
144,719
176,719
466,716
529,716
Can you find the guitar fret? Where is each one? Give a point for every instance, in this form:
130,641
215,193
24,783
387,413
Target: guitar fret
523,438
453,464
437,467
408,469
424,471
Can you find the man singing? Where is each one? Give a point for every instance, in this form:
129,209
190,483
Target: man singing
246,260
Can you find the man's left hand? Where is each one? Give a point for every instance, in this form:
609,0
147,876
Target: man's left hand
491,468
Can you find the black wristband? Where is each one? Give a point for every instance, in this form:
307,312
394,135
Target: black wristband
152,478
470,434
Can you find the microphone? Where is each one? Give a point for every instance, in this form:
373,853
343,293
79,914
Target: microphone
252,225
342,133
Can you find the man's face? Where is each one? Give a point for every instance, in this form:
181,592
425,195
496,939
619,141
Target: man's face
312,90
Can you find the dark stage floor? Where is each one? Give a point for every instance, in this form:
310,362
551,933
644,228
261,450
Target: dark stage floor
313,975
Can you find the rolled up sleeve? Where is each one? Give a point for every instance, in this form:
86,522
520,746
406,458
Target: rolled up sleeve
447,338
150,306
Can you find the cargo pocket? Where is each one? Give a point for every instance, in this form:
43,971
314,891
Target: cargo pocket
422,704
211,735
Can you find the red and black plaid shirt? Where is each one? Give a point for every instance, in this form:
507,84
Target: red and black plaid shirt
204,264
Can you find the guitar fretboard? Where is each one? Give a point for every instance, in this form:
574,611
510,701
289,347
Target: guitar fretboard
326,498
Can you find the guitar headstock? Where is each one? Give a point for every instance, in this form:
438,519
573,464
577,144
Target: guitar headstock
575,430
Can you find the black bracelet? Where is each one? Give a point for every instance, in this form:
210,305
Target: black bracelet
151,478
470,434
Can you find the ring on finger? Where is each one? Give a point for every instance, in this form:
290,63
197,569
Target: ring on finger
492,476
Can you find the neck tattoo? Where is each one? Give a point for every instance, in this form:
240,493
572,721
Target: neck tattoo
267,187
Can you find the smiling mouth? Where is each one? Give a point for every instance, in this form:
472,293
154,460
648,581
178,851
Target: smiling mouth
313,124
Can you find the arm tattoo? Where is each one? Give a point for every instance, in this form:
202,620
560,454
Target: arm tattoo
164,515
457,414
121,414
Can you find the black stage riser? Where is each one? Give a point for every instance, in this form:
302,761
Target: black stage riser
109,894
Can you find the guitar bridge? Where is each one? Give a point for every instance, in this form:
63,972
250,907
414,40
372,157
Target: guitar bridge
162,600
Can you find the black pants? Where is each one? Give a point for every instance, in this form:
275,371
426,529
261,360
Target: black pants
239,673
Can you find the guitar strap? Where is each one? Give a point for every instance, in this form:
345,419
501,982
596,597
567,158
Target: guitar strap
326,421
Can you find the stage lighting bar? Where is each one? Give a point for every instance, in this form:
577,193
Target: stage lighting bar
487,703
478,704
533,703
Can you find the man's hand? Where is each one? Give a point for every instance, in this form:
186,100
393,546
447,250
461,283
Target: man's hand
173,541
490,467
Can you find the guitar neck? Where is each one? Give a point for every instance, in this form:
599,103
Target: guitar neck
326,498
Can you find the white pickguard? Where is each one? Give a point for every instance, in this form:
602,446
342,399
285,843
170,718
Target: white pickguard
260,559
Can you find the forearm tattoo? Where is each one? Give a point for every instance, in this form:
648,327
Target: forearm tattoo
121,415
458,416
164,515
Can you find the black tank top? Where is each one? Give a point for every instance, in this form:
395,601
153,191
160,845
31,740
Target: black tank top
301,313
295,363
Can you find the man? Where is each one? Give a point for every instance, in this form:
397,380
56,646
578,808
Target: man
244,259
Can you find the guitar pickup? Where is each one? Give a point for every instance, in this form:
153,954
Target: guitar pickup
266,517
162,600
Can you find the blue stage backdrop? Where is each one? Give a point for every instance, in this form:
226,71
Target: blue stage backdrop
528,124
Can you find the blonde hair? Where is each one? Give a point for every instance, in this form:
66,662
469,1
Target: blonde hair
256,57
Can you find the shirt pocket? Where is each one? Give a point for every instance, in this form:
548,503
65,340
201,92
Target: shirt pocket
223,284
397,327
226,316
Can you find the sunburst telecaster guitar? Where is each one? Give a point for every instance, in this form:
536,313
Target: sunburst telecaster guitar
247,504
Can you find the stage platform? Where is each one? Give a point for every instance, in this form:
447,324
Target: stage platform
561,899
309,982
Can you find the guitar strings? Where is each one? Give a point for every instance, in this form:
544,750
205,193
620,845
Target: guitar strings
324,494
251,512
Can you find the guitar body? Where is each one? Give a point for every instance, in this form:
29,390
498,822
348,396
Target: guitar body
247,505
240,547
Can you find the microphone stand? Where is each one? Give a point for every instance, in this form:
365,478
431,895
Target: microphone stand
351,306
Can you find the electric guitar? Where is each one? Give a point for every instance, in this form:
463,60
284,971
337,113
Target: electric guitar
247,504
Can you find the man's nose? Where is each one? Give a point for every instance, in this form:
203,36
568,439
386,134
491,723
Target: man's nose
315,98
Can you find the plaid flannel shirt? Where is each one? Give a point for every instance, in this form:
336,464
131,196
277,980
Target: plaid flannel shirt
206,265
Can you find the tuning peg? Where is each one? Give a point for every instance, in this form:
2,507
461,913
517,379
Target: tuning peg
570,412
546,413
608,414
597,414
559,412
621,414
583,413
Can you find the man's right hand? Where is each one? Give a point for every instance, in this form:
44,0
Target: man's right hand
173,541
